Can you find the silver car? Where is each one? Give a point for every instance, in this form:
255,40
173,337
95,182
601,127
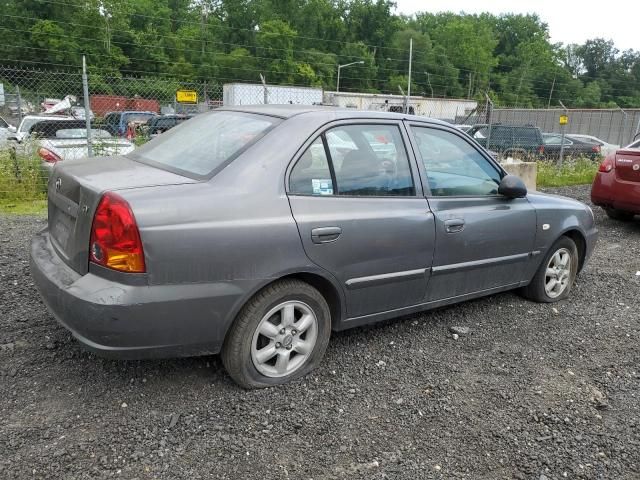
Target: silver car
237,232
64,140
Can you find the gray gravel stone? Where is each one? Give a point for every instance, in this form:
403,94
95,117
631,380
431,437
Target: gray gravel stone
460,330
491,406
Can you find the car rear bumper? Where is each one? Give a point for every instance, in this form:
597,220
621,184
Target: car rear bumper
133,321
610,192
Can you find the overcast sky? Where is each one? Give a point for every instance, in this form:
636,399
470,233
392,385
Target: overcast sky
569,21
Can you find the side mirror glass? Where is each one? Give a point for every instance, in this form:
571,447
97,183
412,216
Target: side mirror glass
512,187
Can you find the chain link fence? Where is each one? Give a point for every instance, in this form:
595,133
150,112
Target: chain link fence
552,133
127,111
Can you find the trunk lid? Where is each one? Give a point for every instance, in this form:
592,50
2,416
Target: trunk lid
628,165
74,191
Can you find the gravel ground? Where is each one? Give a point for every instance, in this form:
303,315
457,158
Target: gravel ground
532,392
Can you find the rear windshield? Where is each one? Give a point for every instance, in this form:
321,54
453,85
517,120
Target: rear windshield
136,117
205,143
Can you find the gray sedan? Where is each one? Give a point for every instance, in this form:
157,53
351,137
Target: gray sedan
254,232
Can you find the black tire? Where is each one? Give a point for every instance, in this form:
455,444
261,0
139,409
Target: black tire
536,289
236,351
516,153
619,214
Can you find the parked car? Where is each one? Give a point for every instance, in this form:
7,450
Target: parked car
161,123
79,113
573,147
232,233
66,139
635,144
47,103
117,123
6,131
605,147
509,140
616,187
29,121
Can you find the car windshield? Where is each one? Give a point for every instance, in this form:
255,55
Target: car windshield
27,123
54,129
81,133
204,144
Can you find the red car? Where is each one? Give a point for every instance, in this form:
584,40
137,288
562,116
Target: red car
616,187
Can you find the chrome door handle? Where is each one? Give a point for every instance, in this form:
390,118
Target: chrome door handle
325,234
454,226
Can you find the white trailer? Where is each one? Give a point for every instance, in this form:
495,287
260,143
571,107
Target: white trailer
442,108
257,94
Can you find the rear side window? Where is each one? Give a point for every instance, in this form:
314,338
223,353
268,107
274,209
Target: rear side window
200,147
311,174
365,160
370,160
524,135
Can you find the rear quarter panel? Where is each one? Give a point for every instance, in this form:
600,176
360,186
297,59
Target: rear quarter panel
236,227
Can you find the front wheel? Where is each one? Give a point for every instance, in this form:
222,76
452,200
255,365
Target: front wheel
279,336
556,274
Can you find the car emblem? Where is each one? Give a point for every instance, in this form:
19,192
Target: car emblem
58,184
636,167
287,341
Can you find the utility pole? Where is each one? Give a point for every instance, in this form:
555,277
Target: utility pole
429,82
551,92
340,67
564,130
406,108
87,109
264,89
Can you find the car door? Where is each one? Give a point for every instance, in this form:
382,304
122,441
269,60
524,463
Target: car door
484,240
356,198
111,123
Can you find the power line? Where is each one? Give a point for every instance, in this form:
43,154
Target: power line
197,23
379,80
191,39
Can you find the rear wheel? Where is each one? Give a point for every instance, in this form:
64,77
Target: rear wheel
556,274
619,214
279,336
515,153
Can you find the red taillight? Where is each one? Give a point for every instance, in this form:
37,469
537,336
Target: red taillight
131,133
541,149
606,166
595,149
48,156
115,239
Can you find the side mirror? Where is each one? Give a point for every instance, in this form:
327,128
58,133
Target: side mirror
512,187
12,129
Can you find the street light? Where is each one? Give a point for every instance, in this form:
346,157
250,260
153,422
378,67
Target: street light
342,66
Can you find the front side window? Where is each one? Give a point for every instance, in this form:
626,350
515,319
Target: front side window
525,136
453,166
370,160
311,174
203,145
